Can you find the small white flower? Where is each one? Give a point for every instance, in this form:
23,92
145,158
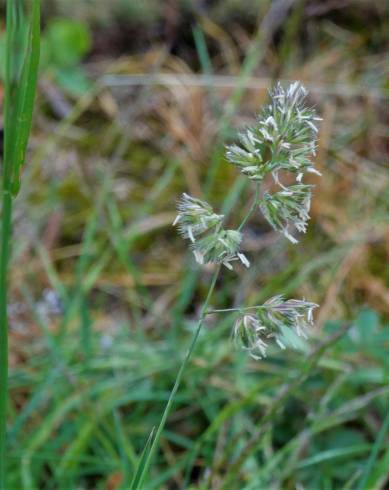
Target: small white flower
243,259
190,234
199,257
312,126
177,219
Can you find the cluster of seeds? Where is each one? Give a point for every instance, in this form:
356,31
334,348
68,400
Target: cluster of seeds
210,242
253,331
282,140
286,206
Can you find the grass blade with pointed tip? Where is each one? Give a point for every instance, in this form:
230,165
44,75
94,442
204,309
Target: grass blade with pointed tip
25,96
139,475
21,72
374,453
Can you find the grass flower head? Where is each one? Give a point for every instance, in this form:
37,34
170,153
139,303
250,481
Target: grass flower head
284,137
288,208
254,331
195,217
210,242
221,247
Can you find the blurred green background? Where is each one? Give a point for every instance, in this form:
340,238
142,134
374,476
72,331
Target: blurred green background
136,101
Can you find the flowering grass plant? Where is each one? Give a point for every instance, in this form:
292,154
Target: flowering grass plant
282,141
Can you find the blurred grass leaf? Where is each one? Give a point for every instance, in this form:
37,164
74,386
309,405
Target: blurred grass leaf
64,44
69,41
22,61
74,81
139,474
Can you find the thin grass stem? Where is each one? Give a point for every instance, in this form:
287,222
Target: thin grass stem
252,208
204,312
155,443
21,72
6,214
4,256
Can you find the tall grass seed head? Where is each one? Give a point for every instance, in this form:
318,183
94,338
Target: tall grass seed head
284,137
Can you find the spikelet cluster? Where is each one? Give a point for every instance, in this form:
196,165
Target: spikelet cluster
283,139
210,242
195,217
254,331
288,207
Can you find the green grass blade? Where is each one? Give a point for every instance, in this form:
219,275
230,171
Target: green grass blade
138,477
10,87
331,454
25,96
206,66
20,86
374,453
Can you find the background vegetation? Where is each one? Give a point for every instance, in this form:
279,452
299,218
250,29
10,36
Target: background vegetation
104,296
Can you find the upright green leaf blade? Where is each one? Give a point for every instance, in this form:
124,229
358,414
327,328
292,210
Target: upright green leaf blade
371,462
139,474
25,96
21,72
